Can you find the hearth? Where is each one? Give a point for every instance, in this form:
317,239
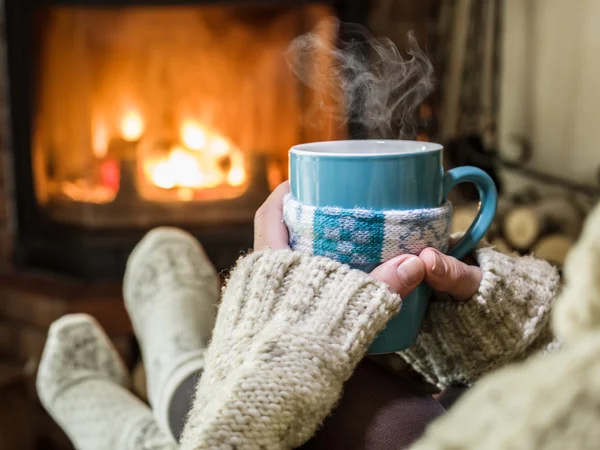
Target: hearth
131,114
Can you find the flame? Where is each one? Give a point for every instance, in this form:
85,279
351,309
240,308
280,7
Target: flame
179,169
194,167
237,174
100,139
132,125
193,135
203,159
219,146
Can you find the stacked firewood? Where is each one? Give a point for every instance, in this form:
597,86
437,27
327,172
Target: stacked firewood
528,222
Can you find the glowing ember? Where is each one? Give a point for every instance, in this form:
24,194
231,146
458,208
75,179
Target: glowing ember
83,191
132,126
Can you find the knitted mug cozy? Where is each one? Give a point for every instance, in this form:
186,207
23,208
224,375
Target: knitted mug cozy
363,237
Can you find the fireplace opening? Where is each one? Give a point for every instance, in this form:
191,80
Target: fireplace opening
140,115
147,114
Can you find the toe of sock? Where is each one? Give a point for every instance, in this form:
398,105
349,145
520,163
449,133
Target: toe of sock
166,258
156,237
77,348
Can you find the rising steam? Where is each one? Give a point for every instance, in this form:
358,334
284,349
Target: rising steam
364,81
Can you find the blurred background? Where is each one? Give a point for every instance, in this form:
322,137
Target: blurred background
120,115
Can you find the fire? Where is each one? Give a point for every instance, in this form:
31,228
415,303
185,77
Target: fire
194,158
180,169
100,139
193,135
219,147
205,159
132,125
237,174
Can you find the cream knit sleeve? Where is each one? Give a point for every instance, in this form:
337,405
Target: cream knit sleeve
549,401
506,320
289,332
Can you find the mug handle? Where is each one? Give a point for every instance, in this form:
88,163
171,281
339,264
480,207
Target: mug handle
488,199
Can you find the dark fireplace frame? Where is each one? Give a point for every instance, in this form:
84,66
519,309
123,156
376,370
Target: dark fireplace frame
95,255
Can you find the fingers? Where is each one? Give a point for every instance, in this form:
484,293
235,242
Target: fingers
269,229
449,275
402,274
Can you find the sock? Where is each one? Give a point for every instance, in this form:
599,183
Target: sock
170,290
81,383
365,238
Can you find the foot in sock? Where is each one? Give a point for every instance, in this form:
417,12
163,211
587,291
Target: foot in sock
170,290
81,383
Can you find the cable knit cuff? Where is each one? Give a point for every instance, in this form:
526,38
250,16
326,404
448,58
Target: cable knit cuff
504,321
290,330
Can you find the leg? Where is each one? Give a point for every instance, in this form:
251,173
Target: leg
81,383
449,396
378,411
181,403
170,290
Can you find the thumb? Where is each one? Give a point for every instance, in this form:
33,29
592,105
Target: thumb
449,275
402,274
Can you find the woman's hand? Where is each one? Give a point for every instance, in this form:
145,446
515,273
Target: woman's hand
449,275
402,274
269,229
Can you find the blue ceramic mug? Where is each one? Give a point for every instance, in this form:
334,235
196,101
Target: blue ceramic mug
388,175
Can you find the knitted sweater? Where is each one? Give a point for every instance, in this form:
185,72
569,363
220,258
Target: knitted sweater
292,327
549,402
290,330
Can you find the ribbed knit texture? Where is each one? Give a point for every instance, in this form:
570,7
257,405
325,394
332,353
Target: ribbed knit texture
507,319
551,401
362,237
290,330
82,383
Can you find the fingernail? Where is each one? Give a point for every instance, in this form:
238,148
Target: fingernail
438,268
410,271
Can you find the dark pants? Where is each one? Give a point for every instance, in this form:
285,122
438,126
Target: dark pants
378,411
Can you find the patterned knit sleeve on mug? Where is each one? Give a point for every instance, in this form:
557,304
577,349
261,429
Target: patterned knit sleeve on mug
507,320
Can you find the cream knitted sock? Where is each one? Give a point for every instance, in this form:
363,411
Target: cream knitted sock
170,291
80,383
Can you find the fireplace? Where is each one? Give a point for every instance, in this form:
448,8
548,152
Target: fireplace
127,115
